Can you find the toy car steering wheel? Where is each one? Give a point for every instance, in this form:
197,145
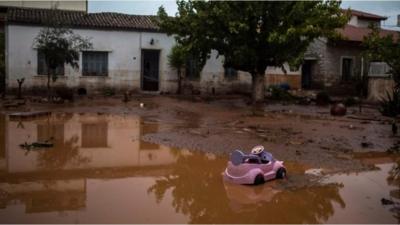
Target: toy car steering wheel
257,150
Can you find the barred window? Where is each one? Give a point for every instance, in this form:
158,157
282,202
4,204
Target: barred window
192,69
43,69
94,135
94,63
54,132
378,69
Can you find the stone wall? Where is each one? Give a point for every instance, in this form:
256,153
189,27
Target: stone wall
328,61
333,62
317,53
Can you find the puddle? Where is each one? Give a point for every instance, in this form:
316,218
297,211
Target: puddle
362,193
101,171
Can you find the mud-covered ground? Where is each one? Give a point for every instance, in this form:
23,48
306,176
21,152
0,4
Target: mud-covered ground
307,135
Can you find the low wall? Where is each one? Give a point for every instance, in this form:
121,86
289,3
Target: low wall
217,85
294,81
378,87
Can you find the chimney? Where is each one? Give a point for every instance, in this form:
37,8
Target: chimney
398,20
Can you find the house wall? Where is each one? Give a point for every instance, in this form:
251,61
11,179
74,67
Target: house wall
124,59
327,71
124,63
366,23
77,5
213,77
353,21
361,22
317,52
333,62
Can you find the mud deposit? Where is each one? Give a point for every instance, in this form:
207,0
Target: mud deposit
116,164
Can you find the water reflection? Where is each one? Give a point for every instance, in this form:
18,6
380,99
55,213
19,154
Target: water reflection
86,147
394,180
94,135
82,142
100,171
199,192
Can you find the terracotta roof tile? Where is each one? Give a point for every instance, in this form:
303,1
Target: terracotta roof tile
104,20
353,33
365,15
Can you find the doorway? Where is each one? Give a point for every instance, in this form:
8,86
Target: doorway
347,68
306,74
150,70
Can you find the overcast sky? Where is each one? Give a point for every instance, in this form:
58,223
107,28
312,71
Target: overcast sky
389,9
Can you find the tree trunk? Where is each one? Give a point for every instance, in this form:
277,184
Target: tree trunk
179,82
258,83
48,86
49,77
20,82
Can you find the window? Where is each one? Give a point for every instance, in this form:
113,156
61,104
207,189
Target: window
192,69
50,132
94,135
378,69
230,73
148,129
43,69
95,63
347,69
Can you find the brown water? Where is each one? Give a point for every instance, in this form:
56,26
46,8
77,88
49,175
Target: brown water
100,171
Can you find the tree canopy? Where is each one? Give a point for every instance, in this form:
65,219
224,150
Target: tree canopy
252,35
386,49
177,59
60,45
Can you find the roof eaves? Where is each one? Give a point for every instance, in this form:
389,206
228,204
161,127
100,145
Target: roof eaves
91,27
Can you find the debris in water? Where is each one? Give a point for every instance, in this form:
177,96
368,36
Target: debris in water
385,201
36,145
338,110
251,169
315,172
126,97
28,115
366,144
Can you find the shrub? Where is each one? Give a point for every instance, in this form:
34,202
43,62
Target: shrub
280,94
109,92
390,106
322,98
285,86
64,93
350,101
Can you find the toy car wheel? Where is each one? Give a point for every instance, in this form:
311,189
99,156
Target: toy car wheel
259,179
281,173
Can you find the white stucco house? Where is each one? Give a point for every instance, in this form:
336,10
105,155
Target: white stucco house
76,5
129,53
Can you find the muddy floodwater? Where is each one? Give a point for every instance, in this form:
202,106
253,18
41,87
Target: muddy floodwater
100,170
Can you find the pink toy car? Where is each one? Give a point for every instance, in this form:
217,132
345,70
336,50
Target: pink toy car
255,168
